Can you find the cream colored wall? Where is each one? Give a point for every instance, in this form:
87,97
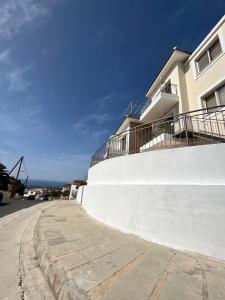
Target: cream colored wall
176,76
183,99
191,88
209,78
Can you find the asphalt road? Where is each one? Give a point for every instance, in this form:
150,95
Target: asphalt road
15,216
9,206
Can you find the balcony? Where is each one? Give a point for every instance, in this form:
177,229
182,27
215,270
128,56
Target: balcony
164,100
197,127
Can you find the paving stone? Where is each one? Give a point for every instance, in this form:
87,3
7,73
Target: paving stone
185,272
175,292
88,276
143,275
60,220
48,216
55,233
56,240
184,280
97,251
87,260
78,245
84,235
186,263
215,284
72,260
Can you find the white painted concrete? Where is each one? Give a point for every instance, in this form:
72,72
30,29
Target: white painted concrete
173,197
187,165
80,194
73,191
184,217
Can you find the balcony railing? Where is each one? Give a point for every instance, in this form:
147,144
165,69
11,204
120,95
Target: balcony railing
197,127
167,88
133,109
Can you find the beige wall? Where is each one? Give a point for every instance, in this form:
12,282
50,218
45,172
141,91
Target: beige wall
191,87
209,78
176,76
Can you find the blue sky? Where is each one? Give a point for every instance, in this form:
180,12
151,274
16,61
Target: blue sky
69,68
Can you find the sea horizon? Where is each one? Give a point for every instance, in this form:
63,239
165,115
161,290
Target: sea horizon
45,183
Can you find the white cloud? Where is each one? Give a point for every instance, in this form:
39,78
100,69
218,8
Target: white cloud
106,100
88,121
93,127
16,15
16,79
16,120
99,119
12,74
179,12
5,56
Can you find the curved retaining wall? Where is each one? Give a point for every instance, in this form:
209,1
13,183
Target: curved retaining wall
174,197
186,165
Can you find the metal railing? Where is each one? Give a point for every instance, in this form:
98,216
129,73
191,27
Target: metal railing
133,109
168,88
164,87
197,127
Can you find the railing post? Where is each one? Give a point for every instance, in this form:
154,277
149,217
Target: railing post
186,129
135,141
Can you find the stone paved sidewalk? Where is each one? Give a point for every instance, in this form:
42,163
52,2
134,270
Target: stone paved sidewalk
84,259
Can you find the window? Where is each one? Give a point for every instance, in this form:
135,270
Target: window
215,50
215,99
203,62
221,95
210,101
208,56
123,143
167,87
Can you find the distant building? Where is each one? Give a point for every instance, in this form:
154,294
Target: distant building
66,187
75,186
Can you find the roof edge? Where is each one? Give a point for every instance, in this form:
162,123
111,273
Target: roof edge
205,40
164,65
123,120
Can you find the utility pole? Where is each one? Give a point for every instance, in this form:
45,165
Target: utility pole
25,182
20,161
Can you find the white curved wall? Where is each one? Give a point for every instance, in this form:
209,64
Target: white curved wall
186,165
173,197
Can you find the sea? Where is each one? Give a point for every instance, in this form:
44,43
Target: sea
45,183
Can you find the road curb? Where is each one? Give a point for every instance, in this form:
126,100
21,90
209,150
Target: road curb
62,287
29,271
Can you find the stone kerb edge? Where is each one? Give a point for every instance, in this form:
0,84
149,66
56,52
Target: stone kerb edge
61,286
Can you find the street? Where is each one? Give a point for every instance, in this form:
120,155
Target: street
8,206
15,215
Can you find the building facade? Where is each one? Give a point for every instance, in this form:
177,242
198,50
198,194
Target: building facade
184,104
188,81
175,196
